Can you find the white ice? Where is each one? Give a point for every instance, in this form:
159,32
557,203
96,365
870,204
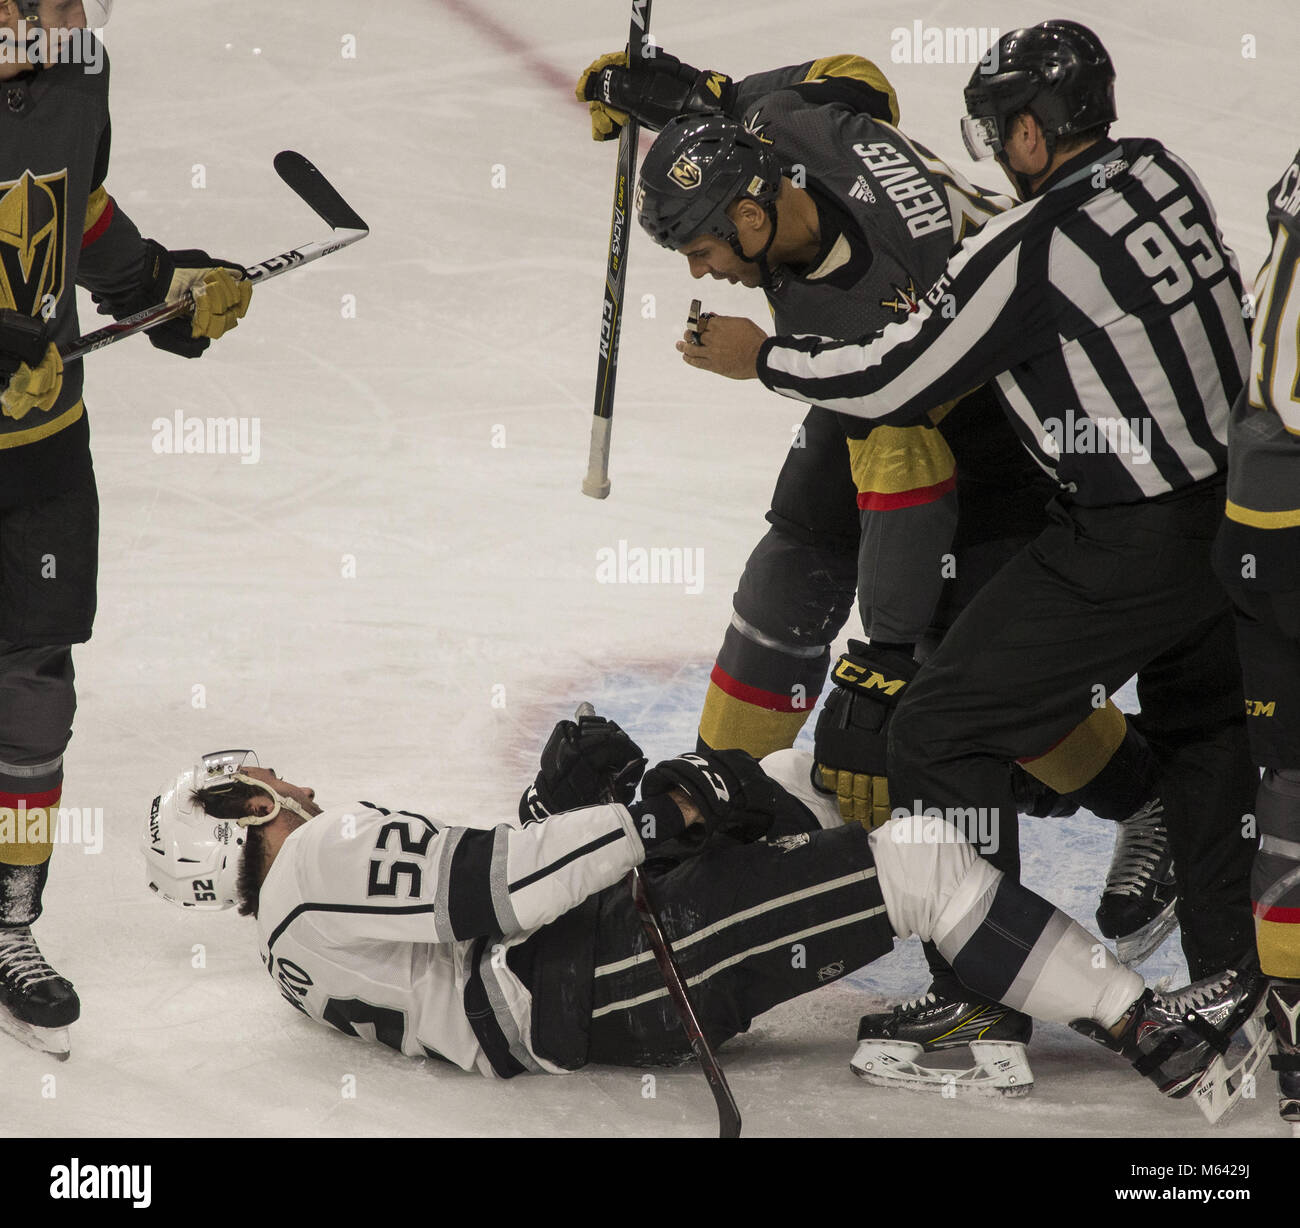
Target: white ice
400,597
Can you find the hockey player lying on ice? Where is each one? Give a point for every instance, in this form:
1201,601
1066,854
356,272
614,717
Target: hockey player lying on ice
517,948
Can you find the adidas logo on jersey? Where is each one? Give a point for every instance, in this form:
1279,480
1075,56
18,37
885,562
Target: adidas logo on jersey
861,190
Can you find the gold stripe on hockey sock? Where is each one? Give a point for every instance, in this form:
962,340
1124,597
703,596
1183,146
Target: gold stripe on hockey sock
19,845
1279,947
728,723
1079,756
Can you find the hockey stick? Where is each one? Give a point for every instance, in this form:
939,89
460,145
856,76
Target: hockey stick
728,1113
596,483
315,190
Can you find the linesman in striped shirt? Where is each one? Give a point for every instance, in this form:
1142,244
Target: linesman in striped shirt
1106,308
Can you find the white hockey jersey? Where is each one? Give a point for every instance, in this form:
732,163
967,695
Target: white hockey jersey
394,927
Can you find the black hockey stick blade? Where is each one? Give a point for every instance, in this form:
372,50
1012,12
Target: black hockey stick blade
317,191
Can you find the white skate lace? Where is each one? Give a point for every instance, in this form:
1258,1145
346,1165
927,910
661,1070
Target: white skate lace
21,961
912,1004
1140,845
1195,996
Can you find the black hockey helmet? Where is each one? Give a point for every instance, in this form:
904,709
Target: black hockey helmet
1058,71
697,167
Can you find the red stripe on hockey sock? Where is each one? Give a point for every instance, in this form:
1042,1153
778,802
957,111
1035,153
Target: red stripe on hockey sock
100,226
752,694
880,501
1282,916
31,801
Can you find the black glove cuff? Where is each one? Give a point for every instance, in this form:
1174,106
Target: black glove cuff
657,819
880,674
531,807
22,340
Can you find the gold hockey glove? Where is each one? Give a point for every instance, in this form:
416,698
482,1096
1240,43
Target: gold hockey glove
31,369
220,299
35,387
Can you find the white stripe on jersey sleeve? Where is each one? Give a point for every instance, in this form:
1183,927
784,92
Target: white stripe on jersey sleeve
939,347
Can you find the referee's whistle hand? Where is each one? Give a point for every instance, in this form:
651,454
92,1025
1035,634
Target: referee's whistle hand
728,346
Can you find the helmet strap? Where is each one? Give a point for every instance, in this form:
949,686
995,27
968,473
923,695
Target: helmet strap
281,802
760,257
1023,182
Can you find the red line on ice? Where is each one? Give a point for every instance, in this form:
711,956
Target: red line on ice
509,41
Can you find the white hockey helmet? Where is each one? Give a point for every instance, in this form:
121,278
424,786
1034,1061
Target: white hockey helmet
191,858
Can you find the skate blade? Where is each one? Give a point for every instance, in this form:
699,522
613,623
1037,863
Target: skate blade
52,1041
1001,1069
1222,1086
1137,947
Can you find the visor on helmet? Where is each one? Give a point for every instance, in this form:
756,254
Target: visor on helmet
981,136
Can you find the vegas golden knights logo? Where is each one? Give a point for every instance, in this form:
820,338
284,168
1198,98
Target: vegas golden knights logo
33,222
904,301
685,173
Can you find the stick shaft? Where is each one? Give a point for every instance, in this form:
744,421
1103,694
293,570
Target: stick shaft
159,314
596,483
728,1112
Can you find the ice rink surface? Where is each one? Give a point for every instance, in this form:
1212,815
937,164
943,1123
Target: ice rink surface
400,596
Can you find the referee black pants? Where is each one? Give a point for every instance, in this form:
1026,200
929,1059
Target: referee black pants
1100,595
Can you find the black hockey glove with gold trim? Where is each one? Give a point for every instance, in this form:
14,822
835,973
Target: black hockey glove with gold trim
852,736
656,90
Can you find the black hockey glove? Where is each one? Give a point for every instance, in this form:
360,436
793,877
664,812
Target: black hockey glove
851,741
22,340
729,788
583,764
163,277
657,89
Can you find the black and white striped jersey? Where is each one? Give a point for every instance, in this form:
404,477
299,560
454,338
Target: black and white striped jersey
1107,310
395,928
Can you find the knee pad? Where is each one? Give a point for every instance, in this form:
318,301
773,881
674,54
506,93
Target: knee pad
930,885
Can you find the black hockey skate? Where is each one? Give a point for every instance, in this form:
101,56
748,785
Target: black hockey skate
891,1043
1283,1002
1137,905
36,1003
1173,1039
